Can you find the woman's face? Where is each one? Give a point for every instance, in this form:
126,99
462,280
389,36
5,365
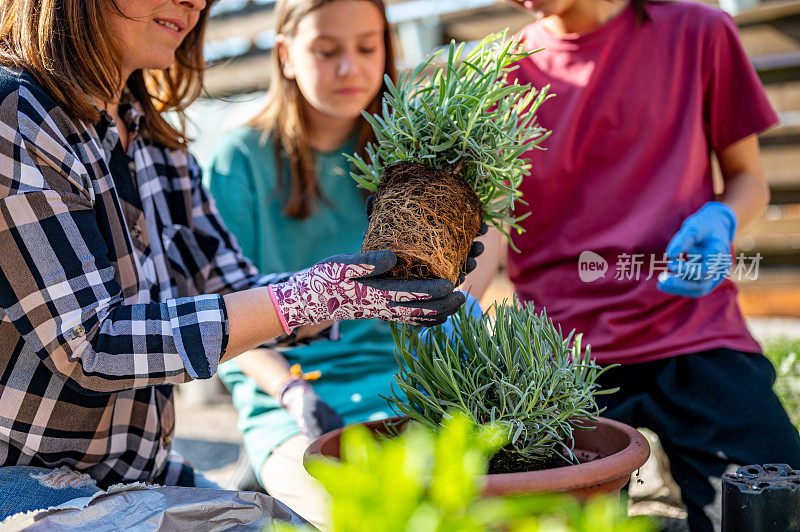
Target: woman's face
337,57
150,31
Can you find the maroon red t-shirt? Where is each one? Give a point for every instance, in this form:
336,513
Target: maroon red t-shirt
636,111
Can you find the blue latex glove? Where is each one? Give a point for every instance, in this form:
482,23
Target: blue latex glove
705,238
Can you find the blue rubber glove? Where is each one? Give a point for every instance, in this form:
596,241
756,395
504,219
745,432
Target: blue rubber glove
705,238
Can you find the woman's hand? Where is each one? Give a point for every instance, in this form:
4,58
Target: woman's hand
347,287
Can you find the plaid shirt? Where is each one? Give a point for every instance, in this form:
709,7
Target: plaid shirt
104,257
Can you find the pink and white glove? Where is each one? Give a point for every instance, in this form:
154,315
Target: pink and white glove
350,287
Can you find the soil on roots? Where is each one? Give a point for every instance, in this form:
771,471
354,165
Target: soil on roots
428,217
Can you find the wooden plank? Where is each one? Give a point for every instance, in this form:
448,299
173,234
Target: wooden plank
238,76
778,68
784,97
777,232
767,12
782,165
774,293
763,39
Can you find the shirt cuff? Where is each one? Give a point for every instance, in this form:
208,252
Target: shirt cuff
200,329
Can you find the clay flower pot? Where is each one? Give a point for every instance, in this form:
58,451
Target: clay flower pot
608,455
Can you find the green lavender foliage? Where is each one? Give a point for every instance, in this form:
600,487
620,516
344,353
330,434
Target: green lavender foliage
464,115
517,371
426,481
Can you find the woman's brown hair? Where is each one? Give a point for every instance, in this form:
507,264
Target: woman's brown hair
283,118
68,46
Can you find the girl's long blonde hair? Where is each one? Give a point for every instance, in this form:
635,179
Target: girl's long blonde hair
283,118
68,46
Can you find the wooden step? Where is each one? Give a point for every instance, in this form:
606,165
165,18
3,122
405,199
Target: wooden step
782,168
776,292
769,12
784,96
778,68
776,233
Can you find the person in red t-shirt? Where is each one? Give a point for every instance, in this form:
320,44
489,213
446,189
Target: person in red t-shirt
626,243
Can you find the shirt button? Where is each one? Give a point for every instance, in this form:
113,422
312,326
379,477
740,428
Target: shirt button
167,439
78,330
132,167
136,230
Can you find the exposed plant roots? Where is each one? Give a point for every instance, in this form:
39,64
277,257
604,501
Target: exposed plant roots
428,217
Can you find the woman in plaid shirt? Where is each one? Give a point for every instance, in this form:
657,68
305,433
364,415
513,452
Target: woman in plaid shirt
118,278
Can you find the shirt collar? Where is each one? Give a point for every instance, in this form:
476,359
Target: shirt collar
130,111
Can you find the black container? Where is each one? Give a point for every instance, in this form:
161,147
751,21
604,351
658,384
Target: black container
761,499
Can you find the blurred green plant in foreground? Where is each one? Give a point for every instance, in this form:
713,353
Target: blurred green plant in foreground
421,481
784,353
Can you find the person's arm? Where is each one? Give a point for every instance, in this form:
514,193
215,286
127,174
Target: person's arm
267,367
746,188
252,320
58,287
229,178
735,110
60,291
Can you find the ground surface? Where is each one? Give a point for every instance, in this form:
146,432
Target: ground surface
206,433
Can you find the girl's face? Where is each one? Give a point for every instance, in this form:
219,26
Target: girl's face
149,31
337,57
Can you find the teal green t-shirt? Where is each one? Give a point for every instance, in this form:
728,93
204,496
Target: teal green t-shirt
242,178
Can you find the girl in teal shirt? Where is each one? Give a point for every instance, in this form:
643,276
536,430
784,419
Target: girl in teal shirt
283,188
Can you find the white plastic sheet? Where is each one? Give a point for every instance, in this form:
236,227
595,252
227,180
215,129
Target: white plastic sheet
140,508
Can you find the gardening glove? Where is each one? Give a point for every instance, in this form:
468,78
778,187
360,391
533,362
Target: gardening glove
350,287
706,238
474,251
473,307
313,415
370,205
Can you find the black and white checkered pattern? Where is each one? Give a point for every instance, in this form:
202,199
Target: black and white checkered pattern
111,270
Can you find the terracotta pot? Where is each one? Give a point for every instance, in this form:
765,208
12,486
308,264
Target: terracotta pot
608,455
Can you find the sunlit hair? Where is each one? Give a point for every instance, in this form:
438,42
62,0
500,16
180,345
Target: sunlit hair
283,115
69,47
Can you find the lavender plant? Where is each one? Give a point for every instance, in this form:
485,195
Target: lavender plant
464,114
517,371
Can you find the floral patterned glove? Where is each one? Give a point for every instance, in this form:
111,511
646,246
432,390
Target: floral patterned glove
350,287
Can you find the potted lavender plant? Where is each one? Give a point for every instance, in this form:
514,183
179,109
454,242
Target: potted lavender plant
517,371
